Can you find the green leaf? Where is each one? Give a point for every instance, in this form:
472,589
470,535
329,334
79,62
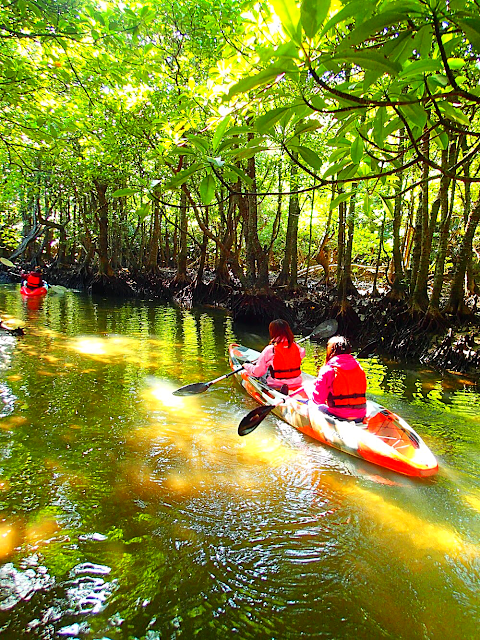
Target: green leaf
387,205
370,60
286,50
129,191
471,28
312,15
366,204
371,27
456,63
414,114
437,80
453,113
183,176
419,67
338,200
202,144
269,119
249,152
379,126
393,125
240,174
350,10
442,140
338,153
356,150
220,130
310,157
289,15
144,211
234,131
309,125
422,42
251,82
348,171
207,189
336,168
399,48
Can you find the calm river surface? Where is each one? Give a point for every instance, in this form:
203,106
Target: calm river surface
130,513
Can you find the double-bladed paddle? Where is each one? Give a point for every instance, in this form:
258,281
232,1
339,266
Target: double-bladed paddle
324,330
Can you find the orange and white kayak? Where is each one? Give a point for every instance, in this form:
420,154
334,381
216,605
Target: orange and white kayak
383,438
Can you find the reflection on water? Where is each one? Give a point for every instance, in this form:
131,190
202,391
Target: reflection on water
128,512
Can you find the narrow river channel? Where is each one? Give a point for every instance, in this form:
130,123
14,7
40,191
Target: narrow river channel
130,513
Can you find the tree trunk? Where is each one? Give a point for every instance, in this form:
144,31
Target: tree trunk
182,277
379,257
423,239
288,272
102,221
445,218
154,244
398,285
456,304
203,256
342,215
347,285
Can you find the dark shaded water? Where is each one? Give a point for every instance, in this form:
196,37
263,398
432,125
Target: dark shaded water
127,512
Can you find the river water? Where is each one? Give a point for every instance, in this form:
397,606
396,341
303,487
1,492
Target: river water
130,513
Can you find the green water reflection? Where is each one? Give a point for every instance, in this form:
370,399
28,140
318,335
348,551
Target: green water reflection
127,512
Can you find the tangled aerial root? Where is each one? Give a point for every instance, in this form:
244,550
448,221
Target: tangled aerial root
260,309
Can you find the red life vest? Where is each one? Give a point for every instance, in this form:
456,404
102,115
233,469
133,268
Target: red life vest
348,389
34,280
286,361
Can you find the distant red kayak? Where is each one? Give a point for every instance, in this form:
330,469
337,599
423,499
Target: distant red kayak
33,293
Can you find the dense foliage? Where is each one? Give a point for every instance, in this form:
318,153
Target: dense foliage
246,137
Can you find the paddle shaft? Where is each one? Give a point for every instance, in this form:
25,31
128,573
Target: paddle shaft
226,375
325,329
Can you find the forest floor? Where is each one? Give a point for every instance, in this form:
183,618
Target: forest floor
376,324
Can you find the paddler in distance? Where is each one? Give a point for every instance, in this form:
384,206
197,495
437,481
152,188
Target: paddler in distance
33,280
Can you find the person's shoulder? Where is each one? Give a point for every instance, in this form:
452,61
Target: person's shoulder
327,368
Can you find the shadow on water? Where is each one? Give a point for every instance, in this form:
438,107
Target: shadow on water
128,512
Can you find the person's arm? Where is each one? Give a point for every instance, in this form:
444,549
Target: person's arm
302,351
263,362
323,385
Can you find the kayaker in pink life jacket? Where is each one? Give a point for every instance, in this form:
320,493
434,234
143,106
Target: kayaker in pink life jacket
341,383
280,359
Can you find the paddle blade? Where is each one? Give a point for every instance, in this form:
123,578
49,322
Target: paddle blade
191,389
58,288
7,262
253,419
326,329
